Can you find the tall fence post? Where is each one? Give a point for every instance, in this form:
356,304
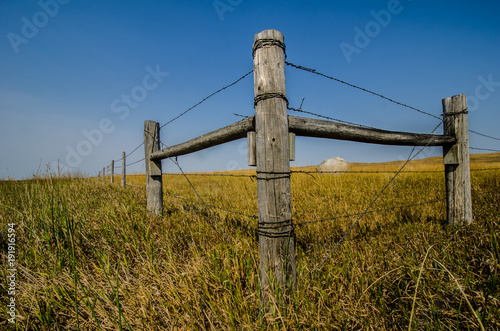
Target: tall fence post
124,172
276,233
154,190
103,173
456,160
112,171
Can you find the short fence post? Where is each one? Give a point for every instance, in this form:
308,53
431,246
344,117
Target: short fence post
103,173
276,233
456,160
154,190
251,148
112,171
124,173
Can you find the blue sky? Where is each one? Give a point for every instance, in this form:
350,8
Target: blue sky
66,66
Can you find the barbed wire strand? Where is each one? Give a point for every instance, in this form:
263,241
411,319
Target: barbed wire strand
484,149
127,155
371,212
223,209
329,118
141,144
186,111
206,98
211,175
484,135
300,110
485,169
197,194
130,164
349,230
424,203
361,171
360,88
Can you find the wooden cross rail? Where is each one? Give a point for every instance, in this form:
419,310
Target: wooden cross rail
224,135
311,127
305,127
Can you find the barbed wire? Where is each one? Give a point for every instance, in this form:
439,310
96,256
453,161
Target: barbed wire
223,209
206,98
361,171
484,135
349,230
360,88
130,164
408,206
141,144
300,110
485,169
371,212
487,192
196,192
186,111
484,149
211,175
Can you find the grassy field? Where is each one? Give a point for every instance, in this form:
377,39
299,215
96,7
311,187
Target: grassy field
89,257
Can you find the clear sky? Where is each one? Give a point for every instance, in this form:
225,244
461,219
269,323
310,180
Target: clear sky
78,78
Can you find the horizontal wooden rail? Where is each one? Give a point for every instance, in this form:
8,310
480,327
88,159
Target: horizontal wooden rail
223,135
311,127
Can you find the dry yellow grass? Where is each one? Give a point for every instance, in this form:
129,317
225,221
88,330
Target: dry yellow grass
92,258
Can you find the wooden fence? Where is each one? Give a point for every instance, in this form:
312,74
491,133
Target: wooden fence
111,170
271,135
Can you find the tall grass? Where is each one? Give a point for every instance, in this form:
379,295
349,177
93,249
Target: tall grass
91,258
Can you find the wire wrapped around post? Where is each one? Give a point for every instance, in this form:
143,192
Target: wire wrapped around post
276,233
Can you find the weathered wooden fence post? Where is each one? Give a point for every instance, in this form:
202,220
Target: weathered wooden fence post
103,173
112,171
456,160
154,190
251,148
276,231
124,173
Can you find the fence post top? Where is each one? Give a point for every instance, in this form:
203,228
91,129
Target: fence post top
270,34
455,98
454,105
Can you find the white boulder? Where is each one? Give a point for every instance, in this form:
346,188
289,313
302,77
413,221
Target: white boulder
334,164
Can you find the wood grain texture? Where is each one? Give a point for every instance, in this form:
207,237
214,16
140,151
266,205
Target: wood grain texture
291,144
276,236
311,127
154,190
223,135
457,163
251,148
